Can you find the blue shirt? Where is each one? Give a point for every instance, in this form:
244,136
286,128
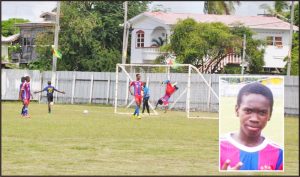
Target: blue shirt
146,92
50,90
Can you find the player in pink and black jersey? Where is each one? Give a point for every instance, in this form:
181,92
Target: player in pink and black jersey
248,149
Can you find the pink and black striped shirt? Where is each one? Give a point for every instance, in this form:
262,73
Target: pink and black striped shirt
253,158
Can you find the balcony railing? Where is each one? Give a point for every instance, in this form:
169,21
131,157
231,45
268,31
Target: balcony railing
151,53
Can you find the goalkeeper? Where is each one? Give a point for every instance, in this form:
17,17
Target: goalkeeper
170,89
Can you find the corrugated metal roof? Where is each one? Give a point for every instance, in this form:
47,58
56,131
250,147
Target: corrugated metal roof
10,38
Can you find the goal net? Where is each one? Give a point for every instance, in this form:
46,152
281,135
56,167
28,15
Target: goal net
194,96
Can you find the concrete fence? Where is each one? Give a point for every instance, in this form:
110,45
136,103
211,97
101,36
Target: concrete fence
99,88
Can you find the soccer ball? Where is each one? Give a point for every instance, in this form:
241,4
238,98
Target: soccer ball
51,103
85,111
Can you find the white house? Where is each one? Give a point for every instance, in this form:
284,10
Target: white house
151,25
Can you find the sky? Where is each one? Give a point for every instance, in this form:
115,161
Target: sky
32,9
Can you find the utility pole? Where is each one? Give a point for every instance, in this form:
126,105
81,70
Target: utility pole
124,51
244,53
291,41
126,40
54,61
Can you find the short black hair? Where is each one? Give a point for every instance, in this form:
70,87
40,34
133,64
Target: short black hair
23,79
160,102
49,82
144,84
27,78
256,88
137,75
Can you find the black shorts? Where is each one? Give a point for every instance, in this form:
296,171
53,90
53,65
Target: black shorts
50,98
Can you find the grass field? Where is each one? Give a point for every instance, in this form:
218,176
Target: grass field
67,142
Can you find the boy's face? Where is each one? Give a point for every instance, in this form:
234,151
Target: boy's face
138,77
254,113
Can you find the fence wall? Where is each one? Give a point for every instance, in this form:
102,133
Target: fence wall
99,88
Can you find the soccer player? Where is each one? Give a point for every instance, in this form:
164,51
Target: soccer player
20,98
247,149
50,90
146,97
170,89
138,87
25,96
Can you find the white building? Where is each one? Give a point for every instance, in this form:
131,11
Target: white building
151,25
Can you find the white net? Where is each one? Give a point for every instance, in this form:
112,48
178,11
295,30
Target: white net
191,97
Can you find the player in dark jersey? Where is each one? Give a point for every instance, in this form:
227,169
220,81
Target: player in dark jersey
50,90
138,89
146,97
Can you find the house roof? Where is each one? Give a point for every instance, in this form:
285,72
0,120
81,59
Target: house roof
36,24
11,38
257,22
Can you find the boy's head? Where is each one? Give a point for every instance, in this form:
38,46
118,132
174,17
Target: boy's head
254,108
27,78
22,79
138,77
144,84
49,82
160,102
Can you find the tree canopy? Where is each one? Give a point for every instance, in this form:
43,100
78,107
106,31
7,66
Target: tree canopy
219,7
9,28
90,37
193,42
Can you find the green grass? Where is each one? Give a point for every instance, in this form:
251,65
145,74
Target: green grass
67,142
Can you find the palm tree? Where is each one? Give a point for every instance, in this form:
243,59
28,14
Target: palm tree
278,10
158,42
219,7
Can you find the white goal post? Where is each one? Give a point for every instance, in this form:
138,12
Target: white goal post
188,78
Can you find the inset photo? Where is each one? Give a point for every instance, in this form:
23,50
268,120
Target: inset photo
251,123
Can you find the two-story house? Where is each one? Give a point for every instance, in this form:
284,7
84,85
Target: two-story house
152,25
28,34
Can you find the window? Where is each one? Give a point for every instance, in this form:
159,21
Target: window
278,41
26,41
274,41
270,40
140,38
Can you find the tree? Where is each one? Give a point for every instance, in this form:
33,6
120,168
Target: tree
278,8
43,41
281,9
295,56
219,7
254,50
296,14
9,28
90,37
193,42
158,42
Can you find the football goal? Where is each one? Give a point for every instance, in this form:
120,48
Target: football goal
194,96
